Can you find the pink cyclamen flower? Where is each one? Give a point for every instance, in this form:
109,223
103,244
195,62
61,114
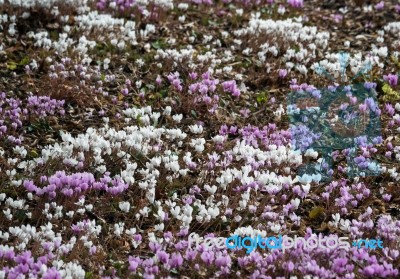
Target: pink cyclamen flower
397,7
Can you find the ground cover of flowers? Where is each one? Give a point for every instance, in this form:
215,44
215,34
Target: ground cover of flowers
127,125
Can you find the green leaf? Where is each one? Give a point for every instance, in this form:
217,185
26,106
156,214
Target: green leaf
33,153
174,271
11,65
118,266
386,88
139,120
24,61
262,98
54,35
150,86
389,94
164,93
88,275
158,44
316,212
21,215
204,21
247,62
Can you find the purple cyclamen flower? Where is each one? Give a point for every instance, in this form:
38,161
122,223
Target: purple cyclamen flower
296,3
380,6
386,197
316,94
168,236
245,112
125,91
389,109
193,75
207,257
28,184
158,80
392,79
282,73
137,237
337,17
52,273
190,255
230,86
24,258
134,263
368,271
206,75
183,232
176,260
369,85
223,260
92,250
371,104
162,256
363,107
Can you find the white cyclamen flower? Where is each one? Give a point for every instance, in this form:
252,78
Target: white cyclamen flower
124,206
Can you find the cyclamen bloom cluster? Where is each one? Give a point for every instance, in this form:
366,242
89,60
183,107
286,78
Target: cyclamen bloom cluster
27,265
303,137
230,86
392,79
14,111
296,3
268,135
174,255
75,184
43,105
205,89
